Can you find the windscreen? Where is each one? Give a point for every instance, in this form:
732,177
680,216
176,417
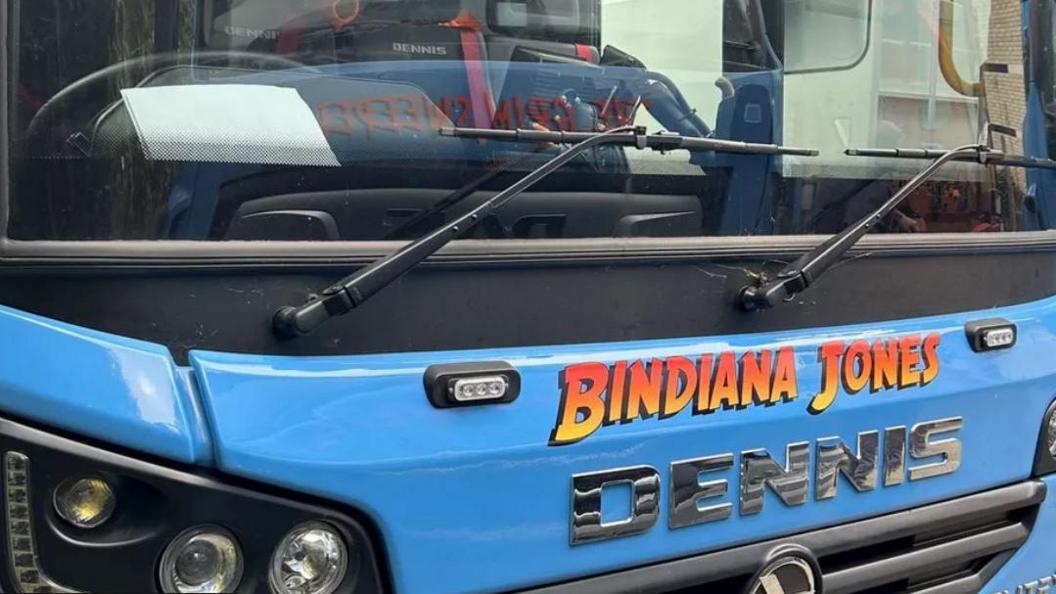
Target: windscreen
319,120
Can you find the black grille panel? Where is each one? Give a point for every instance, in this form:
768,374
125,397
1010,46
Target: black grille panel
945,548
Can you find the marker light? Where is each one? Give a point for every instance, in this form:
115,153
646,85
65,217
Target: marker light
991,335
999,338
201,560
84,502
311,559
472,389
28,575
454,385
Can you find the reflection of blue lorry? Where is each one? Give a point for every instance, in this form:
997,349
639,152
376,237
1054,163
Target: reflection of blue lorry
579,395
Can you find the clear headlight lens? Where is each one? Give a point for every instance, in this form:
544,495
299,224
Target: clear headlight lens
201,560
311,559
85,502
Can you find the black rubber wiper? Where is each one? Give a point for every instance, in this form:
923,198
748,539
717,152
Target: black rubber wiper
637,138
352,291
769,291
413,226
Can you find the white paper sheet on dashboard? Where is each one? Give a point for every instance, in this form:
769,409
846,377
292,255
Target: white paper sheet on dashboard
254,124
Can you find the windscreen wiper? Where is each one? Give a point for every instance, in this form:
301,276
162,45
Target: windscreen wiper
352,291
994,157
769,291
414,224
638,139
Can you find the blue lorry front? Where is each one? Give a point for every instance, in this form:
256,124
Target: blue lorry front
574,391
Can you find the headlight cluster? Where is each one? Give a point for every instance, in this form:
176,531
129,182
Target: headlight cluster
81,519
1045,460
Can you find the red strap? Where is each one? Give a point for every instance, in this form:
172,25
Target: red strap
586,53
290,37
479,92
483,104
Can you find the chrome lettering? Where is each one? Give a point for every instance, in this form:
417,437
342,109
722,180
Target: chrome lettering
587,523
790,482
760,470
894,456
1044,585
835,458
922,447
687,491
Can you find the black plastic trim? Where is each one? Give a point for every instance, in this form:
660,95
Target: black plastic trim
439,380
1044,463
876,574
525,304
976,331
7,104
971,583
745,560
168,501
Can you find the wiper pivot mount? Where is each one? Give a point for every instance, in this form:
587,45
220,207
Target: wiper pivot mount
769,291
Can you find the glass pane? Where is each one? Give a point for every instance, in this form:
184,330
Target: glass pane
318,120
825,34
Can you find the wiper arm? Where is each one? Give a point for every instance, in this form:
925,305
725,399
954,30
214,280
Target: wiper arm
768,292
412,225
656,142
994,157
793,279
352,291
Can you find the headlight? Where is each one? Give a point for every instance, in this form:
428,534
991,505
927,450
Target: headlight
85,502
312,559
1051,434
1045,459
201,560
78,518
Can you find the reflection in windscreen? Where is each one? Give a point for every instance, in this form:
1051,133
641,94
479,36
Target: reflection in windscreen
317,120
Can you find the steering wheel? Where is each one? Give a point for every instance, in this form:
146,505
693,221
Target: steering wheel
72,90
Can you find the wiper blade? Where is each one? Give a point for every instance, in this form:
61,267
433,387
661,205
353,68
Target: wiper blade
656,142
994,157
768,292
352,291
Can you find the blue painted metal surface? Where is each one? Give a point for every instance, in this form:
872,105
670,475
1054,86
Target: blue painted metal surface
1034,564
125,392
475,500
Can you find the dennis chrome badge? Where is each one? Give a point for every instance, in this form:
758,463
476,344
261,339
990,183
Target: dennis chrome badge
863,468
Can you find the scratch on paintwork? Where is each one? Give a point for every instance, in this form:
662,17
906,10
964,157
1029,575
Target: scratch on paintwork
851,259
712,274
751,275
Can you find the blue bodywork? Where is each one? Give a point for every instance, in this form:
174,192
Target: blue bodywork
122,391
476,495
